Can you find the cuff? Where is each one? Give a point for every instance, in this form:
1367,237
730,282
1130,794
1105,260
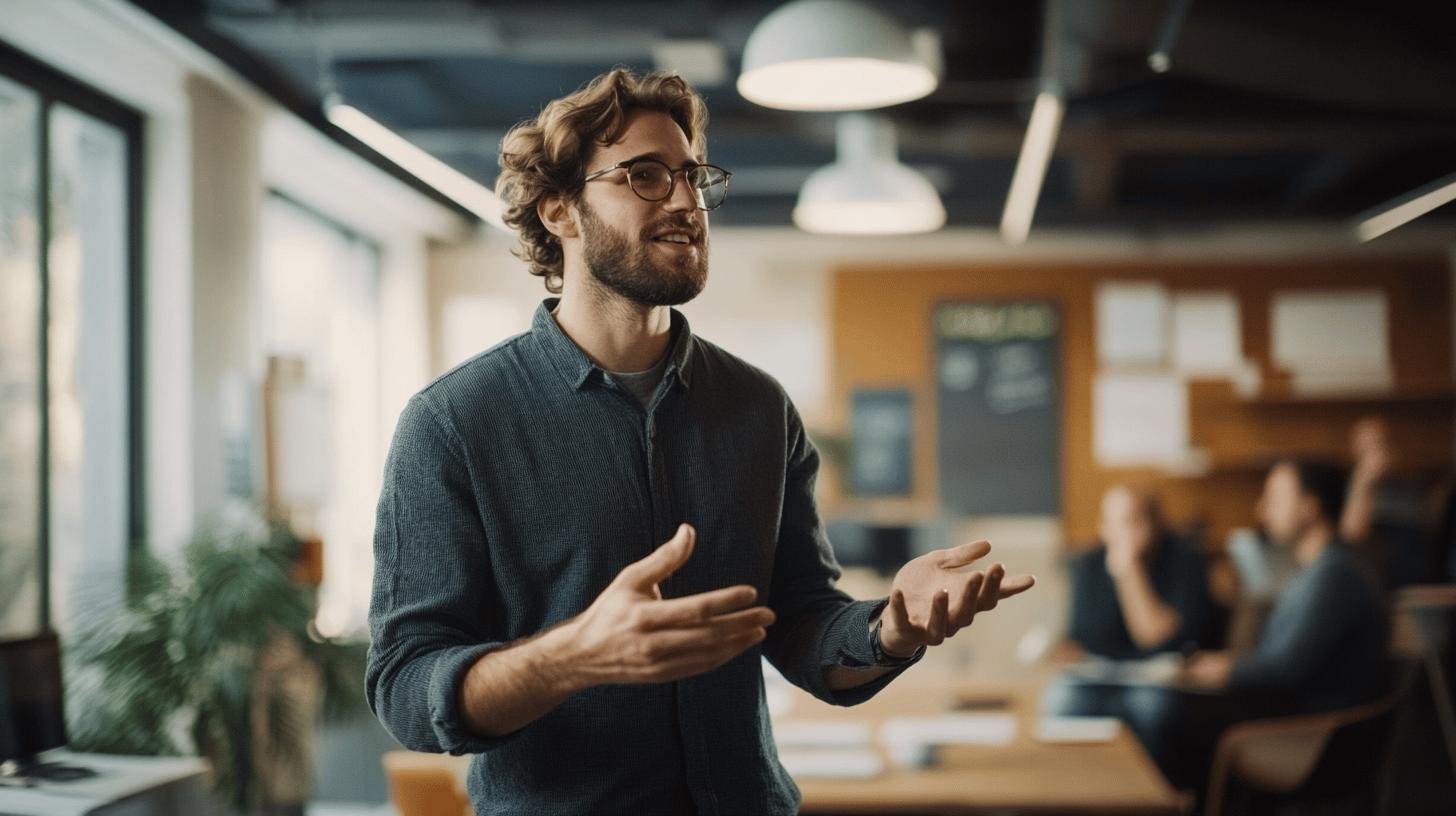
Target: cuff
446,718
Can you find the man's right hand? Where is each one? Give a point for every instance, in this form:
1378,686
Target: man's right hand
630,634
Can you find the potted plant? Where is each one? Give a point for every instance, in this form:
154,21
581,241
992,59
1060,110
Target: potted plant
217,656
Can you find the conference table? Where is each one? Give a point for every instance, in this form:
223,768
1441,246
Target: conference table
1024,774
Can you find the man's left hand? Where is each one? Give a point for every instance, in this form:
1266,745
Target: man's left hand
1207,670
935,596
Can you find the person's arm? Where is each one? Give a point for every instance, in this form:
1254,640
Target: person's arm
629,634
1150,621
435,677
1358,518
1288,655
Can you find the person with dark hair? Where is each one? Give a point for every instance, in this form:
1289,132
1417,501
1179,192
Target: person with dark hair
525,607
1322,648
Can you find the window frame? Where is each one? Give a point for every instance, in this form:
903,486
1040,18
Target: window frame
52,87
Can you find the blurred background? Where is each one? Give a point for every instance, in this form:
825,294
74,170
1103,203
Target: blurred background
1165,243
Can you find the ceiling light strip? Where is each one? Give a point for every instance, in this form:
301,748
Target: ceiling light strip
1031,167
467,192
1377,221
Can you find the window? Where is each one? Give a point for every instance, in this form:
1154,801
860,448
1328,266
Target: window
319,292
69,367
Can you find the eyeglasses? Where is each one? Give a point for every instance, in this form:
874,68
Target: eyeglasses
653,180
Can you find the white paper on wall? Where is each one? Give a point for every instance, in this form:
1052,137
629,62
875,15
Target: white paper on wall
1332,339
1139,419
1206,338
1132,324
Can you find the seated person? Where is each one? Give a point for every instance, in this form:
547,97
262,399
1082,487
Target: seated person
1393,518
1140,593
1322,648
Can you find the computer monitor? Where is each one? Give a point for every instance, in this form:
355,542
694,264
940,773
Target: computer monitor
32,713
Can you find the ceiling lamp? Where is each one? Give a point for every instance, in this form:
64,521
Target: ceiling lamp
867,191
828,55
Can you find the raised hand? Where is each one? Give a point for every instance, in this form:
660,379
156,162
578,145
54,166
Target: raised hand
935,596
630,634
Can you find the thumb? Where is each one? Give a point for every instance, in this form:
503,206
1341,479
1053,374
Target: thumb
964,554
664,561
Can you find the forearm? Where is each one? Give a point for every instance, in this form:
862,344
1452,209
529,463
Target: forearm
508,689
839,678
1149,621
1359,514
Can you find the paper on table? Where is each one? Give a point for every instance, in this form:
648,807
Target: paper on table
1332,339
823,734
950,729
1139,419
1077,729
841,763
1132,323
1206,336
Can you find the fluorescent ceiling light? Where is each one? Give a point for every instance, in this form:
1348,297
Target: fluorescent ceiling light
867,191
463,190
827,55
1031,167
1380,220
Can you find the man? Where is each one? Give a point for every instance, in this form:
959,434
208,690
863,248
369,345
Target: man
1322,648
1142,592
526,608
1139,594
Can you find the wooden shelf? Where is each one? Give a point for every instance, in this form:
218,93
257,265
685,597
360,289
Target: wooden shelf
1413,394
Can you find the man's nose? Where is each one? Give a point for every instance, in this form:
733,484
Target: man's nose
683,196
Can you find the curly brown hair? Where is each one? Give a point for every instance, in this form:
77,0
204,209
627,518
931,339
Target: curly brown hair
547,155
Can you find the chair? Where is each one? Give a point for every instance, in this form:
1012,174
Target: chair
1333,755
427,784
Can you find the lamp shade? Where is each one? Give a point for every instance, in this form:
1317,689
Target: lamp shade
829,55
867,191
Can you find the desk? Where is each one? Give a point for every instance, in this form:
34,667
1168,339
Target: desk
1024,776
123,786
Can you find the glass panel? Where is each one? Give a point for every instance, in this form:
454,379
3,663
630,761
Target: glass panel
19,361
88,366
319,311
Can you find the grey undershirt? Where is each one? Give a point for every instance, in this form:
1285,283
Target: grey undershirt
641,384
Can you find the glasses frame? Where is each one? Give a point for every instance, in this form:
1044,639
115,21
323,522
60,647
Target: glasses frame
671,178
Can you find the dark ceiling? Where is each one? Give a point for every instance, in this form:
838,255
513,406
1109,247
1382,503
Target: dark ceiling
1284,111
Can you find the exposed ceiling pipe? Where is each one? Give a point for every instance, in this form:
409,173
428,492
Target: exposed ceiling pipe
1160,58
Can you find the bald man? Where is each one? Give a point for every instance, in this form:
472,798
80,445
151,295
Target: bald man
1138,593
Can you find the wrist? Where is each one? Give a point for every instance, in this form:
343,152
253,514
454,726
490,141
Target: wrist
890,644
555,662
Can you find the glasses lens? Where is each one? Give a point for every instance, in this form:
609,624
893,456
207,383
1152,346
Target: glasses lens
650,179
710,184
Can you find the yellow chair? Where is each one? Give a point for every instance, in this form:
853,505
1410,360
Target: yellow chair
427,784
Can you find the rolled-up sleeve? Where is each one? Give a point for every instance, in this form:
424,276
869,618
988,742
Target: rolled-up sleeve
817,626
431,575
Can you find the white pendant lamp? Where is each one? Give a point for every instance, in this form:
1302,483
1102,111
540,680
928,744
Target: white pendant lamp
829,55
867,191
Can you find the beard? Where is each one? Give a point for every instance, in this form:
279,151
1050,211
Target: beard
631,271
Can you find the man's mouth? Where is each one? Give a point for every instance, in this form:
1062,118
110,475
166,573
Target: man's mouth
676,236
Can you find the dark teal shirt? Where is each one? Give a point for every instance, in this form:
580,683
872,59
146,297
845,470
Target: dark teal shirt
518,485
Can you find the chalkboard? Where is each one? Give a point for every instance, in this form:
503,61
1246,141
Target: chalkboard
998,383
880,459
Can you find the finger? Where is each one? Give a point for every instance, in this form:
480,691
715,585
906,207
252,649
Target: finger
688,664
698,608
899,615
670,643
939,611
964,555
664,561
1017,585
753,616
991,589
966,605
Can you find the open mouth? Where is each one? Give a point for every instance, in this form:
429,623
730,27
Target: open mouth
680,239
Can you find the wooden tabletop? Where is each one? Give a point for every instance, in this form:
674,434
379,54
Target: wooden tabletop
1024,776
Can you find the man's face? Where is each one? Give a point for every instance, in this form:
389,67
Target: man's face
1284,510
624,237
1125,523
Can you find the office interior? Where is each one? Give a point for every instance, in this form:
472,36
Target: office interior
1161,244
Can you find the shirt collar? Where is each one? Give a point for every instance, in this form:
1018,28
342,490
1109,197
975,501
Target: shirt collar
578,370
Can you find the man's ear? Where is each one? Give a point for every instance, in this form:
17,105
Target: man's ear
559,217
